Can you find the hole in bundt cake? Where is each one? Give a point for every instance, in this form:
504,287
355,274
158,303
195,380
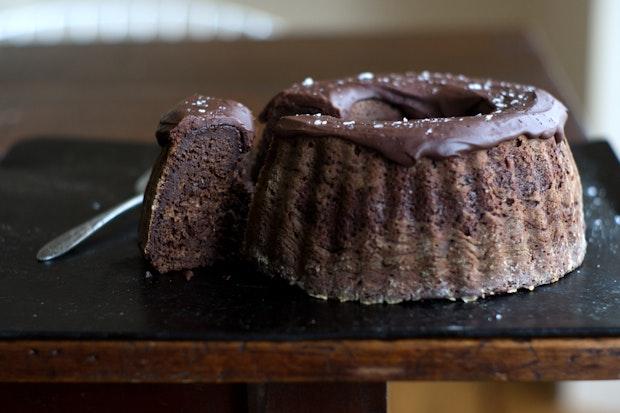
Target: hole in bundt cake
448,102
374,109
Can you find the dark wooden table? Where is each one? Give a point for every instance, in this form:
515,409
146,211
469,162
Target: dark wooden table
119,91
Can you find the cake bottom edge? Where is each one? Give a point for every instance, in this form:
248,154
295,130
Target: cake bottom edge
494,284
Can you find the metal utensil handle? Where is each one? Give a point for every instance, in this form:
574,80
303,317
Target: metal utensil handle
66,241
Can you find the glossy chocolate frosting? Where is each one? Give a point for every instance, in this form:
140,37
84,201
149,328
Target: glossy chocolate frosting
440,115
207,111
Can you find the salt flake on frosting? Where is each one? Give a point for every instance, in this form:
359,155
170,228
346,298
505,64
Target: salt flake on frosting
365,76
308,82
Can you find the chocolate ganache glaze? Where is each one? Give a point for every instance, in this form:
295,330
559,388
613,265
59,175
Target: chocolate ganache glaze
208,111
439,114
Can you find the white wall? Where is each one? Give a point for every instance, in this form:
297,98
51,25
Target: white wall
602,107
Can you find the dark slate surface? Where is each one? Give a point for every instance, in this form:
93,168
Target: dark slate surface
100,290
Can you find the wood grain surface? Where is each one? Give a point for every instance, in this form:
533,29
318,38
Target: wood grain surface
304,361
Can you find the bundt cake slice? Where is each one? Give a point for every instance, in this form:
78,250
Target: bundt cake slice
196,201
412,186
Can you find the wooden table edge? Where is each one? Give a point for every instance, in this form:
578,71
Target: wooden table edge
107,361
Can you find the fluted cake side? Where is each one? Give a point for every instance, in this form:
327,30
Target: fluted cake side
342,221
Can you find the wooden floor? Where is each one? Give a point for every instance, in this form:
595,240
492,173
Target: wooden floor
461,397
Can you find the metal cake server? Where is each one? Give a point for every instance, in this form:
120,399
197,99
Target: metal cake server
70,239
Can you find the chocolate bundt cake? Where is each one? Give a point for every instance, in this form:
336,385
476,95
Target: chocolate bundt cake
196,201
413,186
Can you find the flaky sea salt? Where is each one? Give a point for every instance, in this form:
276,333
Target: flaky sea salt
474,86
365,76
308,82
377,125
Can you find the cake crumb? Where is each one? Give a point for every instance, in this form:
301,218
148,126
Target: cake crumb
188,274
